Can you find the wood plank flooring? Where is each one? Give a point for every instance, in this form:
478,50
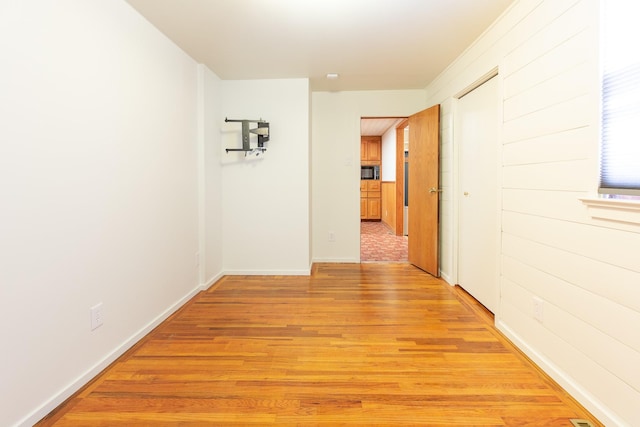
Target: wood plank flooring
358,344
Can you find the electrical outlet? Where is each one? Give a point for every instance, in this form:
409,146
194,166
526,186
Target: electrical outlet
538,309
332,236
96,316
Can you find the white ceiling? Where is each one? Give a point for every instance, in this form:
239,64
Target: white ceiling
372,44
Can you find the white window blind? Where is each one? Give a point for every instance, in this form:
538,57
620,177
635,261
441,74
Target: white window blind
620,145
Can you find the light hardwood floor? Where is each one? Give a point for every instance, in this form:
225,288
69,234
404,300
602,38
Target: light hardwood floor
360,344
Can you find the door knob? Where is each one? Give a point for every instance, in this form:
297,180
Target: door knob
466,193
435,190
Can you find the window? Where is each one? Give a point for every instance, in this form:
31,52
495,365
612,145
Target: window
620,144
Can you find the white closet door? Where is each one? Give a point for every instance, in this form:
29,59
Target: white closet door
477,127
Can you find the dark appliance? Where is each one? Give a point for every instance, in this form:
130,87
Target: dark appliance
369,172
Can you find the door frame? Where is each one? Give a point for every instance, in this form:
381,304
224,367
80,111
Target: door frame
400,143
456,186
400,177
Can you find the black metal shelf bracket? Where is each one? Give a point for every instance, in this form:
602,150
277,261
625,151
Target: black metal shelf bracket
262,132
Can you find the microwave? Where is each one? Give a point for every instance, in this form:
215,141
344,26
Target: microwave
369,172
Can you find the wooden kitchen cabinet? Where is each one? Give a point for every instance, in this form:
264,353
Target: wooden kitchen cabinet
373,208
374,151
363,150
370,190
373,185
370,148
370,199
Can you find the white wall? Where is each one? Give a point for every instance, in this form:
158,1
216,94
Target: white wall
98,192
266,199
335,175
210,180
586,272
389,155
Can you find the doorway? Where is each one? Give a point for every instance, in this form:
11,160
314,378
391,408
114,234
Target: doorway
423,191
380,239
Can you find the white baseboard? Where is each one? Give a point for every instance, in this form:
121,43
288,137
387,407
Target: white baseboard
604,414
211,281
83,379
446,278
267,272
337,260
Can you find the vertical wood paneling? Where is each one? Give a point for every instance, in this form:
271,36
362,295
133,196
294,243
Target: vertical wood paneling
389,204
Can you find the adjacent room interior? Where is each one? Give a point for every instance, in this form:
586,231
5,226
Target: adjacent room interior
382,237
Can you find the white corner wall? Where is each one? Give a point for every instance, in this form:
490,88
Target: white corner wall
98,192
210,175
266,198
389,155
335,150
586,272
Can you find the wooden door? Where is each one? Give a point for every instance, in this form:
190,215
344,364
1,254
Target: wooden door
477,133
424,194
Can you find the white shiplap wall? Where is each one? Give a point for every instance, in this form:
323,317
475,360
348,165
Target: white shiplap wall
586,272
